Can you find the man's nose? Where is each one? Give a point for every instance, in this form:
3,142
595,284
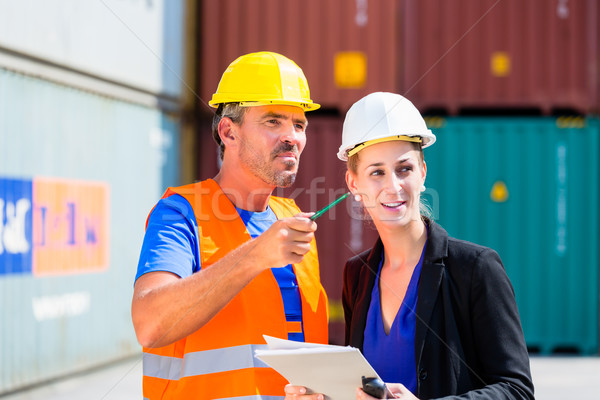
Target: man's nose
290,134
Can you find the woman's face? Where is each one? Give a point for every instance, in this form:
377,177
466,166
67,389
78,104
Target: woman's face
389,178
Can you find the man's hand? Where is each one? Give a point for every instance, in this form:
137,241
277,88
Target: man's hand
285,242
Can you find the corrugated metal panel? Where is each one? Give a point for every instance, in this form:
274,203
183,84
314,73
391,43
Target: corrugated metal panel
138,43
312,33
52,325
529,189
341,232
516,54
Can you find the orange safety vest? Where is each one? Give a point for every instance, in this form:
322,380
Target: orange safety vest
217,361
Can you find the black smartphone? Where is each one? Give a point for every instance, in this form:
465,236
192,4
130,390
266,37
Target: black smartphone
374,387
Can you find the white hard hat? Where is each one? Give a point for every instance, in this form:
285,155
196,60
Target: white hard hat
380,117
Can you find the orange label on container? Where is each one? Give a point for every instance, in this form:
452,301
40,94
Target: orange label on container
70,226
350,69
499,192
500,64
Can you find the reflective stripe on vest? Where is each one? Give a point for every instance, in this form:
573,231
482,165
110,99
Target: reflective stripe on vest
203,362
255,397
217,361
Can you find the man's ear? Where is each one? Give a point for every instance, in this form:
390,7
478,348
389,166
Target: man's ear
227,132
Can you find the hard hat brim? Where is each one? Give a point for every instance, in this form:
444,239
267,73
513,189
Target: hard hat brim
306,106
426,140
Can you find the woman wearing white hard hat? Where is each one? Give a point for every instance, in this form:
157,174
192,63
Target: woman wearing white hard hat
431,313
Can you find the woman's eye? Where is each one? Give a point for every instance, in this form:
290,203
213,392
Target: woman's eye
377,172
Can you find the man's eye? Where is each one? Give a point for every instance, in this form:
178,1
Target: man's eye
300,127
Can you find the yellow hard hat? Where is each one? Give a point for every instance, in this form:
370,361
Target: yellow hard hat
264,78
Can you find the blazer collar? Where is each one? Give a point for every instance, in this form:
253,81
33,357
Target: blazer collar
368,272
437,243
429,284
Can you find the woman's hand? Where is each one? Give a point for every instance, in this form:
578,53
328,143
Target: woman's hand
399,391
395,391
299,393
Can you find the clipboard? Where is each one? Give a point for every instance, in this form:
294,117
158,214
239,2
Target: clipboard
335,371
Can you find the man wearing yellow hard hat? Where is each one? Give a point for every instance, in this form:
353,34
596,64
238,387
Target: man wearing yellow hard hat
223,261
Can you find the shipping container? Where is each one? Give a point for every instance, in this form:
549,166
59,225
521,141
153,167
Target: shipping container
531,56
528,188
346,49
78,175
137,44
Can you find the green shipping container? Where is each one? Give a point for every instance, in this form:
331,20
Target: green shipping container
528,187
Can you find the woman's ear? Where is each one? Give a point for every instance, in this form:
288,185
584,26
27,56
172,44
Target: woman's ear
351,183
423,176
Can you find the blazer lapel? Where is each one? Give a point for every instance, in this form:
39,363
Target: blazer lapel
430,281
368,273
431,278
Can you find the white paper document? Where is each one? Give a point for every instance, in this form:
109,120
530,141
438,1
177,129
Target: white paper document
335,371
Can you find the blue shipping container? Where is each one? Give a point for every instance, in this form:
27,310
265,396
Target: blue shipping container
78,175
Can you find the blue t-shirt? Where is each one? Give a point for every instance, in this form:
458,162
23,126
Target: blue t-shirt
171,240
393,355
257,223
171,244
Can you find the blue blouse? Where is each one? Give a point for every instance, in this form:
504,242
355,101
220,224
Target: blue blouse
393,355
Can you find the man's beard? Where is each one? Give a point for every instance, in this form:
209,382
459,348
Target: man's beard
265,170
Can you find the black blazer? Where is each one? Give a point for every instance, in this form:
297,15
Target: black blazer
468,338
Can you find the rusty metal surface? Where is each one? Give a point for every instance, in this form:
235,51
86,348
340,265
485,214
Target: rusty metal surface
314,34
537,55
